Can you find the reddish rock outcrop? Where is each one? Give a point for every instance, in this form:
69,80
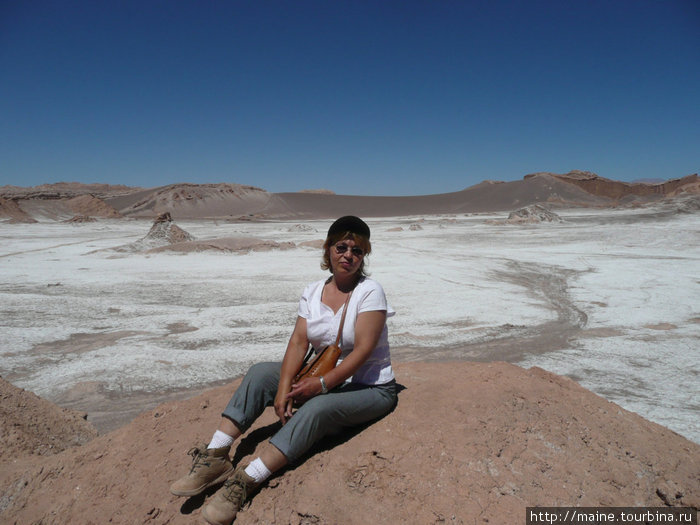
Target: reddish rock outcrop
467,443
10,209
91,206
64,190
33,426
617,190
56,201
194,200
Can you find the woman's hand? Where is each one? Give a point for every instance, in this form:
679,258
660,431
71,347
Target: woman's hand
304,390
283,407
293,357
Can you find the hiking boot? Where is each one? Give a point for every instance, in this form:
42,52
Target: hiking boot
226,503
209,467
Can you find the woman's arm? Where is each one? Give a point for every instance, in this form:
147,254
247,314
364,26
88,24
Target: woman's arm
368,329
293,357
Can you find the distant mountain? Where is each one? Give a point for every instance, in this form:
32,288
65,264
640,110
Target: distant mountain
239,202
617,190
64,189
193,200
647,181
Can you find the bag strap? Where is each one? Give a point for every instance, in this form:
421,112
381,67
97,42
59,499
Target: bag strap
311,350
342,318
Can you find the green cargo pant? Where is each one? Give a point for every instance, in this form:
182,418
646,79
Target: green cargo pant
345,406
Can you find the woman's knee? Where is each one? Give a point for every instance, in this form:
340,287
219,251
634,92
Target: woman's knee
318,412
261,371
265,367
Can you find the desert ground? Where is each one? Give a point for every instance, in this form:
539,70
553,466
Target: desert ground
545,347
94,321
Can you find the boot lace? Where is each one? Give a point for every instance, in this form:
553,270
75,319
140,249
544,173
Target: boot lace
236,491
198,459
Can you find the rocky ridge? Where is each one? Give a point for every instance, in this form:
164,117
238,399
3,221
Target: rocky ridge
467,443
163,232
65,190
10,210
239,202
32,426
618,190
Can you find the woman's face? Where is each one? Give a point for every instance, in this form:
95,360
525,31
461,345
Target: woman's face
346,257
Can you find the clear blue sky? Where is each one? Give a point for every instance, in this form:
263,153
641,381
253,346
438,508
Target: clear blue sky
369,98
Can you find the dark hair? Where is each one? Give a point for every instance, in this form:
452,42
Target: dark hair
360,240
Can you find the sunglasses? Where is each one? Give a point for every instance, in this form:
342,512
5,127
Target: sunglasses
341,248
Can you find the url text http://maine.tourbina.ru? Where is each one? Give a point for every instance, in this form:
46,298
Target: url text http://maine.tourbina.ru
604,515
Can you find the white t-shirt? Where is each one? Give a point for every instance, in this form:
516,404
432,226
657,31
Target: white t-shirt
322,327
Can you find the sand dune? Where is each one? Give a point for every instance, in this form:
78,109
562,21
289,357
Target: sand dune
91,206
485,197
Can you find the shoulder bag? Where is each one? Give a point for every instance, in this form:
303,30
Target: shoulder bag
327,358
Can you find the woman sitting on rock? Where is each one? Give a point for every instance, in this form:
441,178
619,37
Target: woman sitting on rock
359,389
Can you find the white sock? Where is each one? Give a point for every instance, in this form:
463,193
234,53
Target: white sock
258,471
220,439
